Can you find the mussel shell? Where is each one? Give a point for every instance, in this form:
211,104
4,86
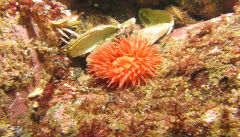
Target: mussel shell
156,24
149,17
89,40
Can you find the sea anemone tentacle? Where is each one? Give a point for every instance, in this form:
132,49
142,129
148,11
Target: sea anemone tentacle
125,62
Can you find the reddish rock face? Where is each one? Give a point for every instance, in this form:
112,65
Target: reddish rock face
18,105
195,91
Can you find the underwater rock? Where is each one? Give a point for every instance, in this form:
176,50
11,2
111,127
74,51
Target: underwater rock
195,91
202,55
151,3
181,17
206,9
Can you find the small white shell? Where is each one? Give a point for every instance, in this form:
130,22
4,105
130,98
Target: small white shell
37,92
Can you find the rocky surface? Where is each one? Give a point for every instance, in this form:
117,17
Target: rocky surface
43,92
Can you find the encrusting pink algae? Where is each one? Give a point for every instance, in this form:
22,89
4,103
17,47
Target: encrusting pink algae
43,92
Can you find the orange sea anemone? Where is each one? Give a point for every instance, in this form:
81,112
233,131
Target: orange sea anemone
125,62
